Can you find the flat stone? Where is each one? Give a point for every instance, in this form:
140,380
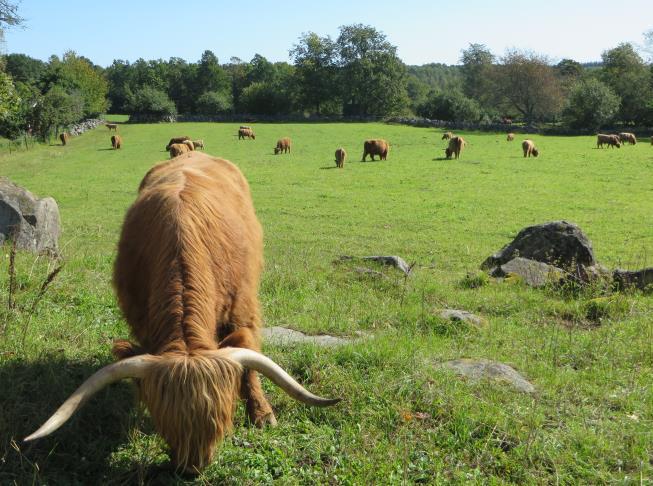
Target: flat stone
283,335
464,316
639,279
478,369
533,273
390,260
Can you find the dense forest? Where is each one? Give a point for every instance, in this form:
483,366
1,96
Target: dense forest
356,74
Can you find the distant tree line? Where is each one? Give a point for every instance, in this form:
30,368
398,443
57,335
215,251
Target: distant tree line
356,74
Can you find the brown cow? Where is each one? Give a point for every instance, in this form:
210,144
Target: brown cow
283,146
112,126
456,146
64,137
341,156
628,137
246,133
447,136
510,137
529,148
176,149
186,276
378,147
116,141
189,144
198,144
176,140
609,140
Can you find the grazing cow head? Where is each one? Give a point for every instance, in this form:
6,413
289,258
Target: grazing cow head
535,152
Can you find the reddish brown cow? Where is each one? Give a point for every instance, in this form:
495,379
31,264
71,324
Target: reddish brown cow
64,137
378,147
246,133
510,137
116,141
186,277
456,146
283,146
528,146
176,140
176,149
112,126
341,156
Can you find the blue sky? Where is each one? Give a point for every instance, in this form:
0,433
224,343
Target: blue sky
424,31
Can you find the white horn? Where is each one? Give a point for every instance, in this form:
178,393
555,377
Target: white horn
134,367
264,365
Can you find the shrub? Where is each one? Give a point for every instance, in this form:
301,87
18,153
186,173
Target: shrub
150,101
213,102
450,106
591,104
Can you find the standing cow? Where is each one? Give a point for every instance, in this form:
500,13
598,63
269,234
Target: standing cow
116,141
186,276
528,146
246,133
341,156
283,146
456,146
64,137
378,147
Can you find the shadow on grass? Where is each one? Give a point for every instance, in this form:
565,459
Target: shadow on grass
103,149
80,452
329,167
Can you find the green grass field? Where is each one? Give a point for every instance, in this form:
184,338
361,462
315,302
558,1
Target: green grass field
402,420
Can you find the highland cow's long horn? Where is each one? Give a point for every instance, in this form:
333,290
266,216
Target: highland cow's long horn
264,365
134,367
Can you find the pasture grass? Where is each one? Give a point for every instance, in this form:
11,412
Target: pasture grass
403,419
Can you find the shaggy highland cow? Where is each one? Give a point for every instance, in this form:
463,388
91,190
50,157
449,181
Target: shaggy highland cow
246,133
64,137
510,137
456,146
116,141
283,146
447,136
341,156
112,126
376,147
176,140
186,277
529,148
176,149
609,140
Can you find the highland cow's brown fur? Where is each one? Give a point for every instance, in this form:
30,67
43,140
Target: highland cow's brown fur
283,146
510,137
341,157
116,141
456,146
447,136
246,133
198,144
189,144
378,147
609,140
528,146
176,140
112,126
176,149
628,137
64,137
186,277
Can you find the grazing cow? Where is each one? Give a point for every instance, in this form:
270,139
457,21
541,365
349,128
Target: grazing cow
198,144
529,148
341,156
447,136
116,141
283,146
510,137
64,137
506,121
186,277
378,147
112,126
176,140
189,144
246,133
627,137
456,146
609,140
176,149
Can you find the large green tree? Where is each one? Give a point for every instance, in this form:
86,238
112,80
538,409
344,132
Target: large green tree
315,61
477,72
527,83
591,104
626,73
373,78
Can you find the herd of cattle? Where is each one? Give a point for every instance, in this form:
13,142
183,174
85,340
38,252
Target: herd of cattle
379,147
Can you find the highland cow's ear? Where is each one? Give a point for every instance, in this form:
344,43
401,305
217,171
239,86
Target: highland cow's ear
123,349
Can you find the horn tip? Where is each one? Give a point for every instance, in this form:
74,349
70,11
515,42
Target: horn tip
330,401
